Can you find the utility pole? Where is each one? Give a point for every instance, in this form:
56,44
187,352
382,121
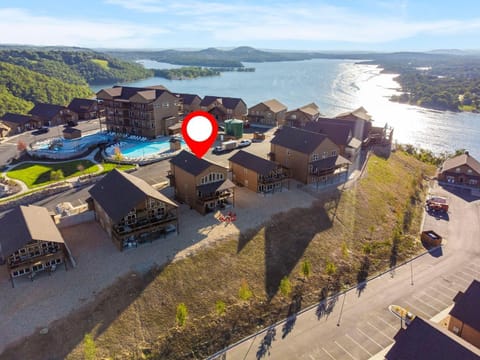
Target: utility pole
411,273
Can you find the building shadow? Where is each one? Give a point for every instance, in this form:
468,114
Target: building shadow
464,193
286,238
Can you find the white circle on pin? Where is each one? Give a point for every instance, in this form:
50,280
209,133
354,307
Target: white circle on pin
199,128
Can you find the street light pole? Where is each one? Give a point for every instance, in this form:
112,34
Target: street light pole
411,273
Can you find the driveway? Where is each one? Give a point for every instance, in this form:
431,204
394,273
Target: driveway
357,326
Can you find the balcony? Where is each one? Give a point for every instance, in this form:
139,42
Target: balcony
272,179
143,224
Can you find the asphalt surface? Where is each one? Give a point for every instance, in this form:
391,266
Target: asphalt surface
357,325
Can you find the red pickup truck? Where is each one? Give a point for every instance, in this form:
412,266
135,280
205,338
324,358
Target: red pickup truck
437,203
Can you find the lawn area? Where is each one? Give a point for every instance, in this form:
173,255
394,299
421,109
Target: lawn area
36,174
346,237
102,63
107,167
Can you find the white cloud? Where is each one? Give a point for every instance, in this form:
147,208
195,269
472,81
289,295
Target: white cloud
18,26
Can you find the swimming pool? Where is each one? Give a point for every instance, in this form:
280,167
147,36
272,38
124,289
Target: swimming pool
142,150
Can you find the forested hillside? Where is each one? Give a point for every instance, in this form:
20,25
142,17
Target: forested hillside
20,88
33,75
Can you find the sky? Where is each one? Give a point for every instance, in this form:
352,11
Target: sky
356,25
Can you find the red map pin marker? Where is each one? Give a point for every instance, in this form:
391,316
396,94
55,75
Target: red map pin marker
199,130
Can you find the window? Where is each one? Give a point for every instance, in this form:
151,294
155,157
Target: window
324,155
473,182
314,157
469,171
457,169
334,153
456,330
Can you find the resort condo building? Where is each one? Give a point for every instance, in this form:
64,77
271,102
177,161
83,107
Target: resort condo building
148,112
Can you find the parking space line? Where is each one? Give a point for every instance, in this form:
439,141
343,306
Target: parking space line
417,298
361,332
326,352
461,279
413,307
436,299
439,293
462,274
344,350
393,327
380,331
358,344
469,271
455,291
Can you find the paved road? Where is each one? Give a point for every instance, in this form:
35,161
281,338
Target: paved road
8,147
365,326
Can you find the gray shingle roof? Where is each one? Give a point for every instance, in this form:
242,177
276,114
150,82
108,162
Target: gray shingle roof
126,92
339,133
80,105
330,162
190,163
422,340
187,98
227,102
253,162
119,192
24,224
47,111
466,307
16,118
298,139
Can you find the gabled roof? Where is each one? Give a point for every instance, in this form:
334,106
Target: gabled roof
16,118
423,340
252,162
119,192
464,159
273,105
46,110
360,113
190,163
466,307
126,92
298,139
78,105
216,186
330,162
227,102
311,109
187,98
339,133
24,224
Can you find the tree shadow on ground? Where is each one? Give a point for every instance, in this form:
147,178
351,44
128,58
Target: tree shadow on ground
362,275
293,309
286,238
266,343
327,304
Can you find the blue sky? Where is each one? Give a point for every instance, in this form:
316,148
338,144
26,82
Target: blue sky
380,25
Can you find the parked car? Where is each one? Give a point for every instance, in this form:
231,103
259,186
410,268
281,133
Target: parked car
244,143
42,130
71,123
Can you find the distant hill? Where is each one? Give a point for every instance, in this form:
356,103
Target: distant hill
223,58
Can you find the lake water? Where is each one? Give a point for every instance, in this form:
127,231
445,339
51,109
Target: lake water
336,86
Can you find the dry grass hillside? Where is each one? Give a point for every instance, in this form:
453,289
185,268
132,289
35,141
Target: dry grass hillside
346,237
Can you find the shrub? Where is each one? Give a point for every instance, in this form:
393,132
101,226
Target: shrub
330,268
89,347
220,307
181,315
56,175
285,286
306,268
244,292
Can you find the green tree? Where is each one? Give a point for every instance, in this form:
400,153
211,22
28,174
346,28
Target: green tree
89,347
181,314
56,175
117,154
330,268
306,269
244,293
285,286
220,307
